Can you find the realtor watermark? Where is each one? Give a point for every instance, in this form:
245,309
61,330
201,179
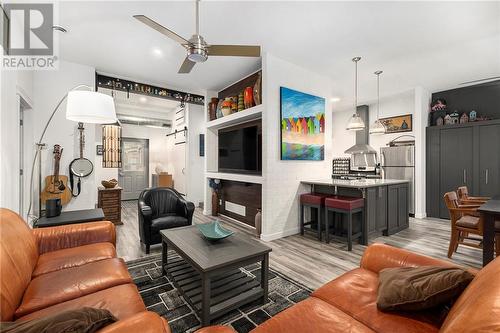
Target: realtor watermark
28,40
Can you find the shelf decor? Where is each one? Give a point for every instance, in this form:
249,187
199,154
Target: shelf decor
302,126
115,84
398,124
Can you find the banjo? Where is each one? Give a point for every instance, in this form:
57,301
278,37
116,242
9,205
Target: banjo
80,167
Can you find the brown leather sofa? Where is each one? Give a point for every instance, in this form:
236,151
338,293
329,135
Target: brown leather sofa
348,303
45,271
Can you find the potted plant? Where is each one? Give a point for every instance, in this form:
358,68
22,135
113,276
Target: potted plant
215,185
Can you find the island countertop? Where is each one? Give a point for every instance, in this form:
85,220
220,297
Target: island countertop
357,183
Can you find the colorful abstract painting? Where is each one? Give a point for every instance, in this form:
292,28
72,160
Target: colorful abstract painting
302,126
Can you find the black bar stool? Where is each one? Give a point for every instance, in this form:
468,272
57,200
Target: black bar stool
344,205
316,202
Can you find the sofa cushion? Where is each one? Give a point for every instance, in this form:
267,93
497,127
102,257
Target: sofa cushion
355,293
478,307
420,288
84,320
18,257
64,285
122,301
166,222
73,257
312,315
144,322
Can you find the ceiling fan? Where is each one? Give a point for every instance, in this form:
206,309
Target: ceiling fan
197,49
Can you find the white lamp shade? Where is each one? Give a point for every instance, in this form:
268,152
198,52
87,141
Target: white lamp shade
90,107
355,123
377,128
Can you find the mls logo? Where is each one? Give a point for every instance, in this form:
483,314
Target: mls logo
30,29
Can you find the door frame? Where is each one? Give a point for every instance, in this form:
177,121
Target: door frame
123,139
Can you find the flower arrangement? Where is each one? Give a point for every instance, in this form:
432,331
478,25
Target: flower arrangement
214,184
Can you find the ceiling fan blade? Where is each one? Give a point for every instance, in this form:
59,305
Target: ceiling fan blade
186,66
158,27
234,50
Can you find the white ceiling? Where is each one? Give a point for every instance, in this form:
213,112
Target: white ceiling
436,45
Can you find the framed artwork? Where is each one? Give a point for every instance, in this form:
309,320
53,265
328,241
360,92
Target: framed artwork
398,124
302,126
99,149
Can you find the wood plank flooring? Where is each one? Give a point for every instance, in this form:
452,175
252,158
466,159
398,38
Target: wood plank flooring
309,261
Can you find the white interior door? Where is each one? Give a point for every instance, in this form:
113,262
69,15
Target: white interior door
133,176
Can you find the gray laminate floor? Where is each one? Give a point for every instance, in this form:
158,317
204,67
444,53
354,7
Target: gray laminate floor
309,261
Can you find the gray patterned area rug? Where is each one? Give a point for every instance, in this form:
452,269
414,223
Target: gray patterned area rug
161,296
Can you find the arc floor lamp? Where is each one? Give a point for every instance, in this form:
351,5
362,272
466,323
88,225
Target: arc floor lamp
86,106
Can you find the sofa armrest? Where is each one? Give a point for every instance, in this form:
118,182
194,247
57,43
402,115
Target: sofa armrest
143,322
145,210
185,208
73,235
379,256
216,329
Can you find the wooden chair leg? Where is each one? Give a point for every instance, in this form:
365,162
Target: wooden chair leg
349,231
327,227
453,242
461,238
302,219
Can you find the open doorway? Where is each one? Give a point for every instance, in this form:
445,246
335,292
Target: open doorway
25,153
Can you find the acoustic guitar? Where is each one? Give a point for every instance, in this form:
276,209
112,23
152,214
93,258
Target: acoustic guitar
56,186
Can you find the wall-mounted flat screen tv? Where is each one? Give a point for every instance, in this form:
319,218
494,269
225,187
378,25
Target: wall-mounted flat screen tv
240,149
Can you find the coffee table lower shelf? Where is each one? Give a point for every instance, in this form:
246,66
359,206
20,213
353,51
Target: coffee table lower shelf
228,290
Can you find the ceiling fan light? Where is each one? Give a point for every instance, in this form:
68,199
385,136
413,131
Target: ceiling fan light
355,123
197,55
377,127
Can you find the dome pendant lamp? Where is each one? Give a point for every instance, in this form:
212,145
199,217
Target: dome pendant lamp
355,122
378,127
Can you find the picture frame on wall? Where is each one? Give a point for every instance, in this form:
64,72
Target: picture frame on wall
398,124
302,125
99,150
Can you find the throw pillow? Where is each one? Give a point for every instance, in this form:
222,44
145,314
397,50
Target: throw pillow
85,320
420,288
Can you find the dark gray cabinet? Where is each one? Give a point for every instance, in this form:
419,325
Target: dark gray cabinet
397,215
458,155
456,161
489,161
376,210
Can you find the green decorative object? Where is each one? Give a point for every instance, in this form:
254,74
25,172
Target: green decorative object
241,105
213,231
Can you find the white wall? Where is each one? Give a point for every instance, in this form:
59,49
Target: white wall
49,87
14,85
281,187
195,166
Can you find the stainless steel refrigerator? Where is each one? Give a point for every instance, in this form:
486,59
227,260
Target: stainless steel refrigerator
398,162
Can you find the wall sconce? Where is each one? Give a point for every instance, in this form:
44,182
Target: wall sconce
111,142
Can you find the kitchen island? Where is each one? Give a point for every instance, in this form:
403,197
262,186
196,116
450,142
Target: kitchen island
386,202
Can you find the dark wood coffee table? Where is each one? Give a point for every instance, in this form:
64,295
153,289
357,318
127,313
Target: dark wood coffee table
208,273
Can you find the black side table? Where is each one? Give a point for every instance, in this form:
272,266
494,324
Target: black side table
71,217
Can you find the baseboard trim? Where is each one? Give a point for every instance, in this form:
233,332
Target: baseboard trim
278,235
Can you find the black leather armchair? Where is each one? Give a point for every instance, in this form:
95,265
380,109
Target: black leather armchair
161,208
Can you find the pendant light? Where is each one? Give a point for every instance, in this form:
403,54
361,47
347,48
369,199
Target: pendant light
377,127
355,122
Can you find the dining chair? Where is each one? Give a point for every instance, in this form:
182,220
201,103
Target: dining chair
465,198
464,222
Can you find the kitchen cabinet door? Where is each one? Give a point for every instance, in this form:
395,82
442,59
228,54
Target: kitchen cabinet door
489,161
456,162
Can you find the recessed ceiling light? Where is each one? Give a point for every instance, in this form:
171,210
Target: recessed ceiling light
157,52
143,99
59,28
334,99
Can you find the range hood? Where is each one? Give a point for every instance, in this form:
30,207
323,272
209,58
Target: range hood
362,137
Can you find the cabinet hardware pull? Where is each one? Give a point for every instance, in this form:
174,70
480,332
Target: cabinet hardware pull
486,176
465,176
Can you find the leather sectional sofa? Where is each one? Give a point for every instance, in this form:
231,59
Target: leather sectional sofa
49,270
348,303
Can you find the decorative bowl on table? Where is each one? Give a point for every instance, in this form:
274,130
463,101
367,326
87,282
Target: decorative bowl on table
109,183
213,231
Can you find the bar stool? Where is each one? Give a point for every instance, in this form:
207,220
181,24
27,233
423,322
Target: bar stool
313,201
349,206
